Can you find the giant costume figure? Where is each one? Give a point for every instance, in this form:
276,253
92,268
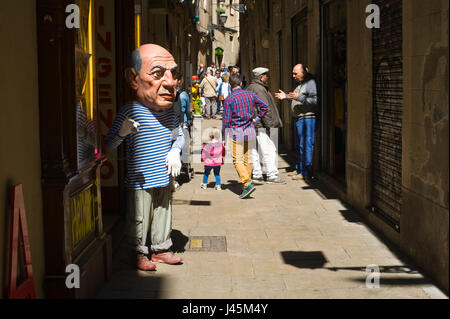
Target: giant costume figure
147,125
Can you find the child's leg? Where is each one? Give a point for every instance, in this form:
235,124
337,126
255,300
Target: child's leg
217,175
206,174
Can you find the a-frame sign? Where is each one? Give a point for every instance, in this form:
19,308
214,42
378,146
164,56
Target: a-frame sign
18,220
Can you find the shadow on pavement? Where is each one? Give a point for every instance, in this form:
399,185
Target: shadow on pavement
399,281
132,284
351,217
304,259
128,282
233,186
383,269
191,202
316,260
179,241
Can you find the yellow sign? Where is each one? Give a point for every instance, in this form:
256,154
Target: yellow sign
83,213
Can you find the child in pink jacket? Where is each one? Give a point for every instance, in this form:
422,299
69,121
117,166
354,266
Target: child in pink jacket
213,153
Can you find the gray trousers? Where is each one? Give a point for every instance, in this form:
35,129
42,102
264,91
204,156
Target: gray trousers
210,106
149,219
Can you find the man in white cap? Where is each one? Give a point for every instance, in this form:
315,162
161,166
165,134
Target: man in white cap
270,121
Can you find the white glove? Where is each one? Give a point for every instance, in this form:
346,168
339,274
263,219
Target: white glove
128,126
173,162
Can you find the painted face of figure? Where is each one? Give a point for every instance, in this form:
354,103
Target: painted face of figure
157,81
298,73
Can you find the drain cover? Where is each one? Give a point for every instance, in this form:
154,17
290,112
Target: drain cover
207,243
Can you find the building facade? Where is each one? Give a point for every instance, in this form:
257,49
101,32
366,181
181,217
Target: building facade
172,24
63,107
73,187
219,42
382,138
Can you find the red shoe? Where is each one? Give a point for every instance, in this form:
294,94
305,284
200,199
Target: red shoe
143,263
166,257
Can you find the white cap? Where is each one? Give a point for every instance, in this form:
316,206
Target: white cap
259,71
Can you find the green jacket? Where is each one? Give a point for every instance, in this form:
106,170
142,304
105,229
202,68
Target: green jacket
272,117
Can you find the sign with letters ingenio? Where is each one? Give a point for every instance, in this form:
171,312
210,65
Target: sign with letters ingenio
106,83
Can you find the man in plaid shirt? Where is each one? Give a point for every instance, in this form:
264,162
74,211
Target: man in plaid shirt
238,121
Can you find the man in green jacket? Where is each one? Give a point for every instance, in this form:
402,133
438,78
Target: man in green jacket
267,131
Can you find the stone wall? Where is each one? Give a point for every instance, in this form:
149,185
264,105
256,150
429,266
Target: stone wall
424,220
425,214
20,161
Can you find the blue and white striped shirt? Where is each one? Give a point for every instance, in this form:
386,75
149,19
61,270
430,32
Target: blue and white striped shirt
147,149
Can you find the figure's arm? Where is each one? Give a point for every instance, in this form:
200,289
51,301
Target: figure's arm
173,160
121,127
179,142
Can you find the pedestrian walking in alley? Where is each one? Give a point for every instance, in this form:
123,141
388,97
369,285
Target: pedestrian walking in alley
182,107
213,68
219,83
209,87
147,125
272,120
238,123
304,108
223,69
235,70
223,91
201,72
213,153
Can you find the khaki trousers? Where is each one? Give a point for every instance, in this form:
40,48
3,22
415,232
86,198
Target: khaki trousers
241,161
149,219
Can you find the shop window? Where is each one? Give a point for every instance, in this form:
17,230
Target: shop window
84,85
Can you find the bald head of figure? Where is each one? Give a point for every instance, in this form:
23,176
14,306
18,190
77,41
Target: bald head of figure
153,75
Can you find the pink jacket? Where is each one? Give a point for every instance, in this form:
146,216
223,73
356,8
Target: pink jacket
213,153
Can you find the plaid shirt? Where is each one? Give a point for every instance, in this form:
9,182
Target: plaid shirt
238,114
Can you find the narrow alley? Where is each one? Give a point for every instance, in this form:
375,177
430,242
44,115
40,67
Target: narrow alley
288,241
348,100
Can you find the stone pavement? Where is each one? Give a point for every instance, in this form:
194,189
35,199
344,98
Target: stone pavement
284,242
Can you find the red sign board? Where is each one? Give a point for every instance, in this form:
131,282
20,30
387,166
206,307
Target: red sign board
18,221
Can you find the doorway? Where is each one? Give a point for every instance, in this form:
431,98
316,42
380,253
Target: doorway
299,55
334,89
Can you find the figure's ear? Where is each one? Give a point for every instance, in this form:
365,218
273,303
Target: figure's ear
131,77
